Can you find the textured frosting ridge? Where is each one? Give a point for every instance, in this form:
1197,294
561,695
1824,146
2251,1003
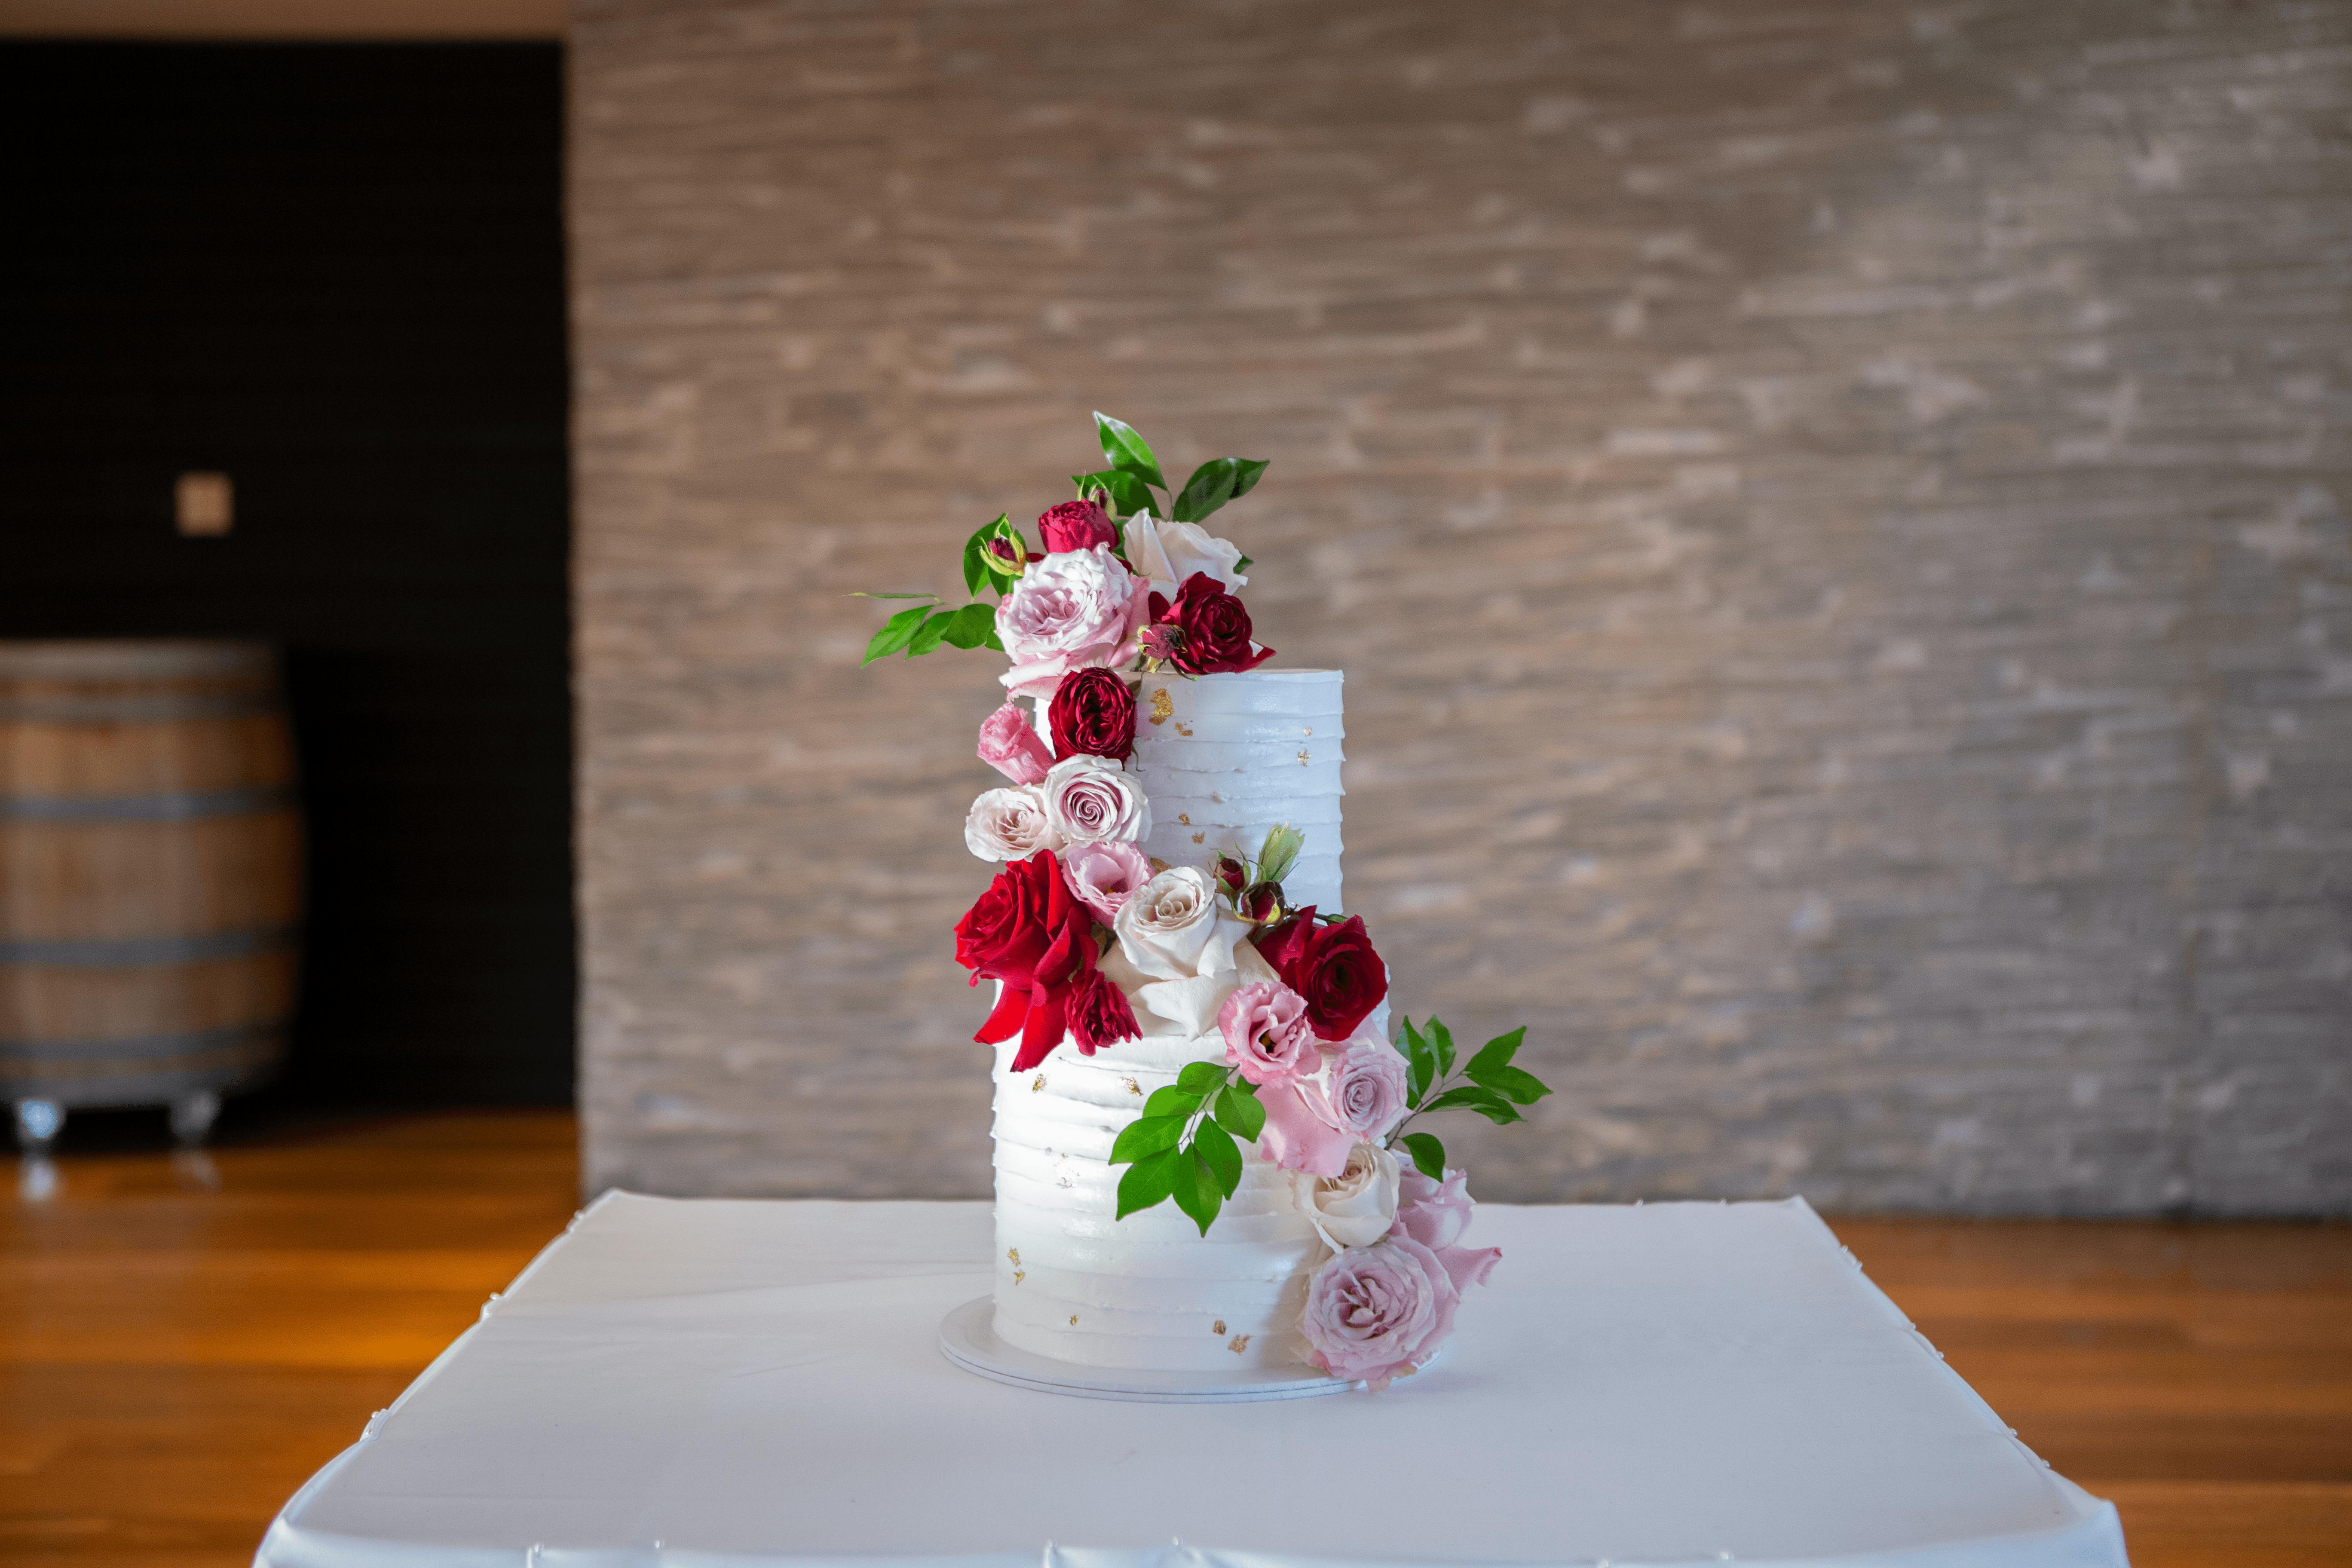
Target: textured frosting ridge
1224,759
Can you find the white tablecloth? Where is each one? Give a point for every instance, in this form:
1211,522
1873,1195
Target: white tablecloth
693,1384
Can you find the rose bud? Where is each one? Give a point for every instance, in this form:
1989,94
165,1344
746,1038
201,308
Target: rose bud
1075,525
1232,873
1162,643
1009,552
1279,852
1262,903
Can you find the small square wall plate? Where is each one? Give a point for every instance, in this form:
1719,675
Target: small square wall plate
968,1338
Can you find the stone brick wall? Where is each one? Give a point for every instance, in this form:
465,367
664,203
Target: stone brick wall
1834,515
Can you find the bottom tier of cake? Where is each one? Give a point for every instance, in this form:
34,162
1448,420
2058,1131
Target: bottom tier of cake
1077,1284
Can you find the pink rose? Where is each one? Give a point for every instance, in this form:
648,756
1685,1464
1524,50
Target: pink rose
1366,1088
1437,1215
1378,1312
1103,873
1089,799
1079,609
1300,1132
1012,747
1075,525
1267,1035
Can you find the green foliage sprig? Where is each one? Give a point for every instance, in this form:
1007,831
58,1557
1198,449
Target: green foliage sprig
1495,1090
1134,473
932,623
1184,1145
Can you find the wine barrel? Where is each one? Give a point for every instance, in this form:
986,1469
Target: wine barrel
151,871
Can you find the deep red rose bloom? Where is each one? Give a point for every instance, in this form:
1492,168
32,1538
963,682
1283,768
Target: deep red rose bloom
1333,967
1075,525
1029,932
1098,1012
1232,873
1212,630
1094,712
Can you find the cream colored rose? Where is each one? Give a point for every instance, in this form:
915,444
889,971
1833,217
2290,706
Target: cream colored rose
1356,1207
1010,824
1168,553
1166,924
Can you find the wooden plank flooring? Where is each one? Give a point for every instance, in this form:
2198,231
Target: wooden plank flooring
183,1343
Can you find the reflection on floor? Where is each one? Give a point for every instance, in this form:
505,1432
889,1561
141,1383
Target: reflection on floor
184,1338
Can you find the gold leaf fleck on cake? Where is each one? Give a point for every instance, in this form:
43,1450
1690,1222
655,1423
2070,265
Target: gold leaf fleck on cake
1180,730
1307,731
1158,865
1303,758
1240,1343
1218,1327
1163,705
1074,1319
1201,836
1037,1083
1014,1254
1133,1087
1019,1275
1184,818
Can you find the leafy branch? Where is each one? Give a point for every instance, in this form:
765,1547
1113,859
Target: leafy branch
1184,1146
1495,1090
1134,473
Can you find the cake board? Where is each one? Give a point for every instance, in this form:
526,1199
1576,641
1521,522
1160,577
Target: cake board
968,1338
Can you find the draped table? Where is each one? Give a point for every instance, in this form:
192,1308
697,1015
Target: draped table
698,1383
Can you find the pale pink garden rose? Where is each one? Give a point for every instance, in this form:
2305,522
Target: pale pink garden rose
1359,1206
1011,744
1366,1087
1437,1216
1009,824
1090,800
1076,609
1267,1035
1311,1123
1104,875
1378,1312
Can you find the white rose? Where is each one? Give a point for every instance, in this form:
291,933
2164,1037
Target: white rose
1168,553
1356,1207
1010,824
1091,800
1166,924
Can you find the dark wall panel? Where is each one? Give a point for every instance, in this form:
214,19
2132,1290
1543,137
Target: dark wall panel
337,274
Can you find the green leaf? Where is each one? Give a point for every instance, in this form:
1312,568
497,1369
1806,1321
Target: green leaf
994,641
1498,1051
1128,450
894,634
1150,1179
1213,483
1129,494
930,634
1240,1112
1443,1039
1215,1145
1428,1155
1144,1136
971,627
976,574
1517,1087
1202,1079
1242,564
1194,1187
1485,1102
1420,1064
1171,1102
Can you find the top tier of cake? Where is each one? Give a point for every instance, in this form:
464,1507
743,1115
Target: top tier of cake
1227,757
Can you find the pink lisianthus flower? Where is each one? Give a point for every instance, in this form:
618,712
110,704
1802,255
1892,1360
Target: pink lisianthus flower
1437,1216
1267,1035
1012,747
1378,1312
1104,873
1301,1133
1076,609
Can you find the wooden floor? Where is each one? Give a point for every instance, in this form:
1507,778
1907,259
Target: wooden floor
182,1343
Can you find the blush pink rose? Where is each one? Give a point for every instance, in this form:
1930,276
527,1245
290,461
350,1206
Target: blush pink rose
1437,1216
1076,609
1012,747
1366,1088
1104,873
1267,1035
1301,1133
1378,1312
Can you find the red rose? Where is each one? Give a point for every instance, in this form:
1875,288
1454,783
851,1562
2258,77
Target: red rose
1075,525
1098,1012
1092,712
1333,967
1212,631
1029,932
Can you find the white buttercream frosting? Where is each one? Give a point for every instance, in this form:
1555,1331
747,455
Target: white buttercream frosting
1223,758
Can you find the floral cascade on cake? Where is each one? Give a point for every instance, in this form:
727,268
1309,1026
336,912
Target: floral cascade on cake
1221,1043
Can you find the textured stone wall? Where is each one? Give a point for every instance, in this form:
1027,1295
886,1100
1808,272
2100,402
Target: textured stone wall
1834,516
